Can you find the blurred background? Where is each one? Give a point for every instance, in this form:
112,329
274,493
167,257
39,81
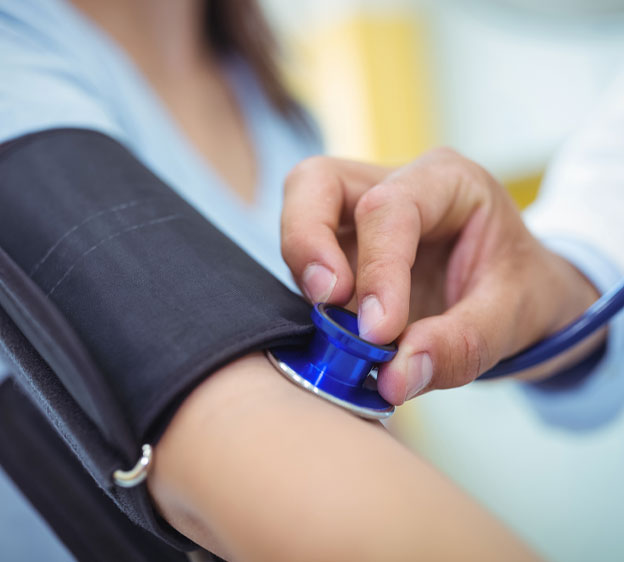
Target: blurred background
504,82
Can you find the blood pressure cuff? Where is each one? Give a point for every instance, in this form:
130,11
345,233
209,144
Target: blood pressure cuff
117,298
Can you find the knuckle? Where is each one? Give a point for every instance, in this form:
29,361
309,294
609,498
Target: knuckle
458,165
451,158
375,199
378,265
446,153
475,354
314,165
476,174
373,267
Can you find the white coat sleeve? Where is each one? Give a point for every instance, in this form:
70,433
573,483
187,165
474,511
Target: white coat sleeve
580,215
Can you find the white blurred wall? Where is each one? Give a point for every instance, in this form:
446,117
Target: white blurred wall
513,83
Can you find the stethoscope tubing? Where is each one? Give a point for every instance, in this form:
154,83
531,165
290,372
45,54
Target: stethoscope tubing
594,318
334,364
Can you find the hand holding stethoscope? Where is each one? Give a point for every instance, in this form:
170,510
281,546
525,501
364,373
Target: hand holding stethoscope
437,255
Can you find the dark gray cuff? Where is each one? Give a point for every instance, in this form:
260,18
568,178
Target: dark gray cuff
127,293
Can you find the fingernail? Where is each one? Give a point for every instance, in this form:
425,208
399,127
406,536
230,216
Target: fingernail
371,313
318,282
419,374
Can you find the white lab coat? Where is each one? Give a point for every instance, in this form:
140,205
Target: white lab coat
580,215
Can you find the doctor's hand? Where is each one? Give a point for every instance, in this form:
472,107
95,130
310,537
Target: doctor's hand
434,253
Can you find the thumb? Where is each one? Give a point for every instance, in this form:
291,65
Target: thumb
454,348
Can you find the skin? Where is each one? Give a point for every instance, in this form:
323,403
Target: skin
165,41
251,467
440,245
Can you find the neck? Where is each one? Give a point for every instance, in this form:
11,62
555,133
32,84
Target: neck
167,42
164,38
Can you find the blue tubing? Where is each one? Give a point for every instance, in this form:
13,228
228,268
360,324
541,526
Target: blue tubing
594,318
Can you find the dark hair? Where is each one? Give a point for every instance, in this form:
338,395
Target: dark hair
239,26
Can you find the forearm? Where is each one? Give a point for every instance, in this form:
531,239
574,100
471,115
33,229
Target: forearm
255,469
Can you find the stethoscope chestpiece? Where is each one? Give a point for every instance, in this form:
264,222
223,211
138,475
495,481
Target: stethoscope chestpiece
337,364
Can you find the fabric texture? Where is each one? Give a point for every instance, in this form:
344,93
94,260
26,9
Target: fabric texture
578,215
119,297
87,515
58,69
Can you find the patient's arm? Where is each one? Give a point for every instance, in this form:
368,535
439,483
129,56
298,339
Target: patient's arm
253,468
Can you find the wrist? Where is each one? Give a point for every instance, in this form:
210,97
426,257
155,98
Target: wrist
566,294
574,292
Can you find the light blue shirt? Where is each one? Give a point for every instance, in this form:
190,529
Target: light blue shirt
58,70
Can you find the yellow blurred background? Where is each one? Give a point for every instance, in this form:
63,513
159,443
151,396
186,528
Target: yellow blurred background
504,82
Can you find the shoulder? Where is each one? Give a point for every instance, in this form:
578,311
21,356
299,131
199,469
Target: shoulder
49,71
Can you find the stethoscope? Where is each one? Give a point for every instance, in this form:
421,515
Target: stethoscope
339,366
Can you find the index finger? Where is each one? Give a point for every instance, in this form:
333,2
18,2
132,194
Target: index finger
319,197
432,197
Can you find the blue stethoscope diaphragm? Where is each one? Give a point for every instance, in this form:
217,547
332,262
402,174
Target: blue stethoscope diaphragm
339,366
336,364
